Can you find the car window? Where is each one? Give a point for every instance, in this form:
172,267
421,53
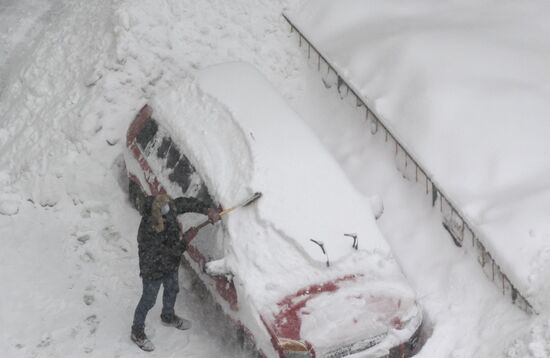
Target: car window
182,174
173,157
162,150
147,133
204,196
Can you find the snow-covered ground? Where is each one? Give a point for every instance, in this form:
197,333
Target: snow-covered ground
20,24
73,75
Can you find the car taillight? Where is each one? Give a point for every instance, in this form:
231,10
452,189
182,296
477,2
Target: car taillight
294,349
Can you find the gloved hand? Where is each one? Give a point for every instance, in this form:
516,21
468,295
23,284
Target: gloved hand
190,234
214,215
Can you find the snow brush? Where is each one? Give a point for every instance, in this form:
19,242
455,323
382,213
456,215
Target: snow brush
247,202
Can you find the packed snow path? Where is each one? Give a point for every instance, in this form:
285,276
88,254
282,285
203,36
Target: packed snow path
68,258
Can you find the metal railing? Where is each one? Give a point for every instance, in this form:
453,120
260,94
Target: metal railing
453,219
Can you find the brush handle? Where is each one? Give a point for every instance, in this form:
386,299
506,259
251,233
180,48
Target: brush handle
247,202
202,224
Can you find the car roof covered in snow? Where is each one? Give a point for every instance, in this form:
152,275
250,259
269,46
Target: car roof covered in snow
242,137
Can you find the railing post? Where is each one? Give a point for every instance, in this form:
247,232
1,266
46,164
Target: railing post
434,194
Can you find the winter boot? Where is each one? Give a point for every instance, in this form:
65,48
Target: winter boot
139,338
175,321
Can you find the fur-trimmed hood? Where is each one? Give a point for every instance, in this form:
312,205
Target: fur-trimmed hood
158,202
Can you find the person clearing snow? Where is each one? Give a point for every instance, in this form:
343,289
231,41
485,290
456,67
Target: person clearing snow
160,249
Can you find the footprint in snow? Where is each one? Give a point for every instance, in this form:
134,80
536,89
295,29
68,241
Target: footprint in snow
87,257
83,239
45,342
110,234
113,238
93,323
88,299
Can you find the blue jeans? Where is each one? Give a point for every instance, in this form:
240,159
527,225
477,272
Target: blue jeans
149,297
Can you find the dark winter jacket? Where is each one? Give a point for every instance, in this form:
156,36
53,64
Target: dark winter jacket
160,252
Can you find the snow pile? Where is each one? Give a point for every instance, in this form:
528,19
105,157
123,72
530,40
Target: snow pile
464,84
19,22
91,66
535,343
170,39
43,107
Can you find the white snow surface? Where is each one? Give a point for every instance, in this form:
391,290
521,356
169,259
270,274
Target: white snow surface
73,76
464,84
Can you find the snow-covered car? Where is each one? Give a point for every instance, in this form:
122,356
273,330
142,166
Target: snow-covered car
305,270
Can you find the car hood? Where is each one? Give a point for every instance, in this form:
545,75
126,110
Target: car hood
353,312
